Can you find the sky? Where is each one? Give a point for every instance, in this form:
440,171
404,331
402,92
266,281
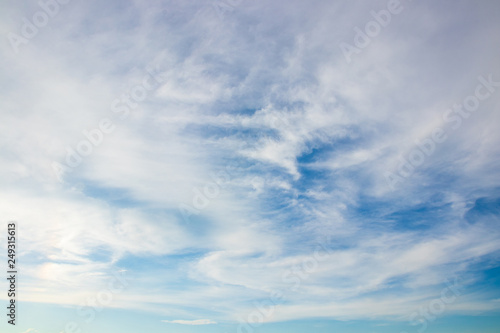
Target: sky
244,166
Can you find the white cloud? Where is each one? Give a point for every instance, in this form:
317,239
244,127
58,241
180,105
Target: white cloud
191,322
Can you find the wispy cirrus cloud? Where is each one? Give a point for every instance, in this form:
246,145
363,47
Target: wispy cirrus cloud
191,322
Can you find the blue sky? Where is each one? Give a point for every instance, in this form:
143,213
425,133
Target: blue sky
250,166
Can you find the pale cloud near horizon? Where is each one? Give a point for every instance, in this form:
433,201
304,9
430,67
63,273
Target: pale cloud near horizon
191,322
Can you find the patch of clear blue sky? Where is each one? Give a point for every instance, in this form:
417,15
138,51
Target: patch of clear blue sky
117,197
417,217
485,207
101,254
491,280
